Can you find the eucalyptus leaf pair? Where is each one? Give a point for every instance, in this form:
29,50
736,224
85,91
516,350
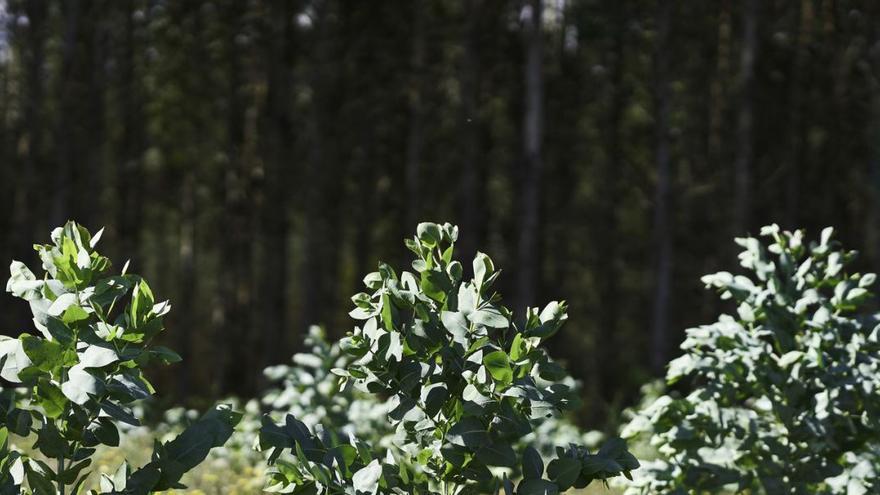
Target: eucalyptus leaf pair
782,397
466,380
82,371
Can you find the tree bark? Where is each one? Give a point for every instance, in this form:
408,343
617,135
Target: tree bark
663,228
530,185
279,152
473,174
65,138
414,139
129,215
236,229
796,125
745,120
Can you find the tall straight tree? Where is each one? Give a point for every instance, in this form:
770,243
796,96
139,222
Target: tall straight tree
798,85
663,228
25,212
236,228
69,103
472,182
416,96
279,151
742,167
130,106
530,177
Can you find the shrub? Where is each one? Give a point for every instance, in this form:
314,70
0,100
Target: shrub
783,395
82,373
308,389
461,374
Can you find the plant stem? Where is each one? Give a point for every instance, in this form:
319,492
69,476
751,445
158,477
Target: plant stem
60,470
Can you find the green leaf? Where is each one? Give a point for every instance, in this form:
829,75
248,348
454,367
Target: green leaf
536,487
517,348
489,317
498,366
435,284
96,356
164,355
468,432
80,385
497,454
50,398
101,431
564,471
429,234
367,478
483,269
13,358
50,442
47,355
19,422
532,464
39,480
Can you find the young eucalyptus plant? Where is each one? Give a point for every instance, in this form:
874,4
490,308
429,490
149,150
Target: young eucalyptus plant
784,396
82,370
308,389
462,374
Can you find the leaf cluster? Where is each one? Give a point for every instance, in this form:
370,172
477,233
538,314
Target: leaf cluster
462,376
784,396
83,371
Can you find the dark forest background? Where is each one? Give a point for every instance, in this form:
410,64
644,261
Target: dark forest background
256,158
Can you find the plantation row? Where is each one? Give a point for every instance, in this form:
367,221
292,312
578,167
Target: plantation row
440,389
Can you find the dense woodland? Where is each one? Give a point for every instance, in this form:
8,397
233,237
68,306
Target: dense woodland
256,158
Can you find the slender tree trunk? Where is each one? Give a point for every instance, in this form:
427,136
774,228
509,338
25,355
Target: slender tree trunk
318,218
873,140
129,174
65,139
610,186
279,153
414,139
25,212
717,86
530,187
91,173
745,119
187,278
236,228
796,125
663,228
472,186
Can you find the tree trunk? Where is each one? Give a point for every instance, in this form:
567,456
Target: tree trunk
663,229
237,227
530,186
414,139
187,279
473,174
279,152
745,119
717,90
129,215
796,125
65,138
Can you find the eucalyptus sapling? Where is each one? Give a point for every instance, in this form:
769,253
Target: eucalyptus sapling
82,371
462,374
781,397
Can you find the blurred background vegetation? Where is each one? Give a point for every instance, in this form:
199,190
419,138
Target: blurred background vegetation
256,158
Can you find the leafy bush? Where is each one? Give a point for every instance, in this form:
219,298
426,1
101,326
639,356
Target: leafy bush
461,375
785,394
309,391
84,371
